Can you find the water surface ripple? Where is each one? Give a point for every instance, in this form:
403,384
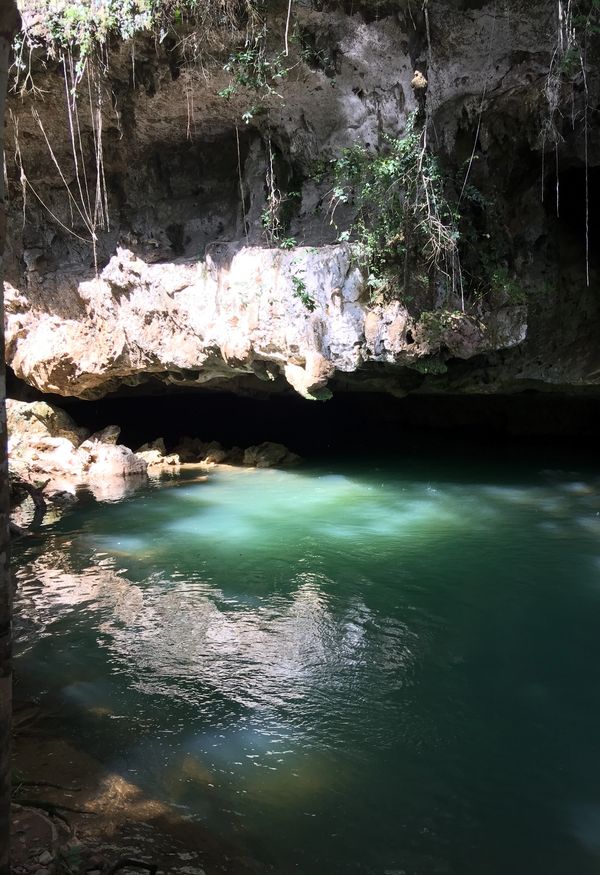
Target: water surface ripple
389,669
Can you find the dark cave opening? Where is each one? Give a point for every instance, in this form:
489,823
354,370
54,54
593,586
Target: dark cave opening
572,202
351,422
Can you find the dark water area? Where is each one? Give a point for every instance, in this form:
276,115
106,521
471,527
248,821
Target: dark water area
353,666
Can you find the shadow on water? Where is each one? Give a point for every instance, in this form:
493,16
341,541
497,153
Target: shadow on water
347,666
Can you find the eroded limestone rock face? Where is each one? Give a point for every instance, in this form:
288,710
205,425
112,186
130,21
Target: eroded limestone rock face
190,323
41,420
188,292
155,455
44,443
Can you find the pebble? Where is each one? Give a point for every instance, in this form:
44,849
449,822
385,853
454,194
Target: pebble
45,858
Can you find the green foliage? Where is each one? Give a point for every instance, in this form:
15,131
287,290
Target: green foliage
315,51
87,25
254,69
403,217
504,284
586,18
578,23
83,24
302,293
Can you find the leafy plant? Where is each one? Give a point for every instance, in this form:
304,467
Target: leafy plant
302,293
503,283
86,26
403,217
252,67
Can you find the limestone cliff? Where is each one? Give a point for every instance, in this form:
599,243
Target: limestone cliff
170,224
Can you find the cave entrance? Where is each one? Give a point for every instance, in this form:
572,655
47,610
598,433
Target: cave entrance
568,209
351,422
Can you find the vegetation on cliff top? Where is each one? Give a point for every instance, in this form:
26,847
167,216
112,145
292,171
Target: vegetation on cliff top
88,25
415,220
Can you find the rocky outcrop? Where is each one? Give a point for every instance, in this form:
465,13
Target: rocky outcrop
40,420
190,324
44,443
155,455
269,455
191,289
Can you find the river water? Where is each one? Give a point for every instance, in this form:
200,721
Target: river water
345,667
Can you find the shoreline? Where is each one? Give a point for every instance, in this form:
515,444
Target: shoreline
96,817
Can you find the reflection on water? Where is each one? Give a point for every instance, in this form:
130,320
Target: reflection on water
392,669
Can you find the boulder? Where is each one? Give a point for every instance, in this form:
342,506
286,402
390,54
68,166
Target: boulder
108,435
269,455
157,445
154,454
46,456
44,442
109,460
235,456
40,419
190,449
154,459
214,453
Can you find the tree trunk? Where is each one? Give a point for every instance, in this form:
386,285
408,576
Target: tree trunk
9,23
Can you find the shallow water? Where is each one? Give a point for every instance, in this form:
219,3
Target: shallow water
345,668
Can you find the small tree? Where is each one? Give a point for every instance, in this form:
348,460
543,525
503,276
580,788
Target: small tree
9,24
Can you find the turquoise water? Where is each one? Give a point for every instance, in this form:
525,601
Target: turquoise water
388,668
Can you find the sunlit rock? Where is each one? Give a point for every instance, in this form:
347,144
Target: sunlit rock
194,322
155,455
108,435
45,444
108,460
43,420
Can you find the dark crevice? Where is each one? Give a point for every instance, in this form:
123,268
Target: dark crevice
565,201
350,422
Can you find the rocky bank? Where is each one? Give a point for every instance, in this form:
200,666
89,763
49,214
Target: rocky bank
47,447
